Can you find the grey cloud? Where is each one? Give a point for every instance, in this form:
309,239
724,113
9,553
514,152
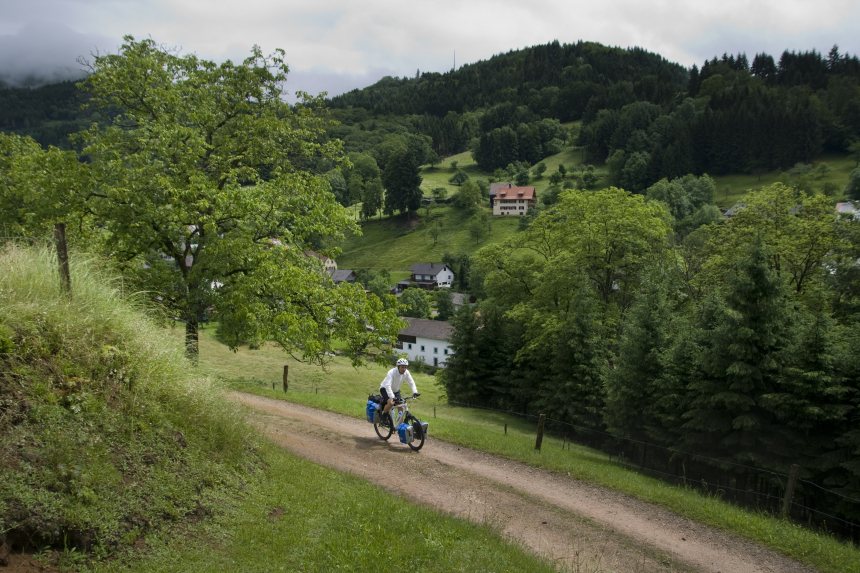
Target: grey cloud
316,80
46,52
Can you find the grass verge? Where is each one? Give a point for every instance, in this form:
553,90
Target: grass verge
299,516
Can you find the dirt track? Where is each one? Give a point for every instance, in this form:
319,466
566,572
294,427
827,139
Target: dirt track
579,526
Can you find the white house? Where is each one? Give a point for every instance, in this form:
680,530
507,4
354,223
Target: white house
429,276
328,263
427,341
849,209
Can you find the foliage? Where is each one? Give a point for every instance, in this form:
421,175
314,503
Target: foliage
215,222
852,188
402,183
735,343
415,302
47,113
105,436
799,231
444,303
40,187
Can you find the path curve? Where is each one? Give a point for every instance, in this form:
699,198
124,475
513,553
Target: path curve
577,525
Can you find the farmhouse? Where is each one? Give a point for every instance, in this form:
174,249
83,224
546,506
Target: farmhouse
328,263
426,341
428,276
512,200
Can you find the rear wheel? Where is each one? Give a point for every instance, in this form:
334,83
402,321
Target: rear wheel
418,436
383,431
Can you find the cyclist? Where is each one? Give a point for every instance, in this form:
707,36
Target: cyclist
390,387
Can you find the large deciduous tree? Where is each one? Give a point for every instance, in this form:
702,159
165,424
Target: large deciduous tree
402,182
210,188
799,231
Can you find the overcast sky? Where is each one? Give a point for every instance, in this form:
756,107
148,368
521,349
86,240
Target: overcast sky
337,45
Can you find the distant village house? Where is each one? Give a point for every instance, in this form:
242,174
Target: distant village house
428,276
426,341
508,199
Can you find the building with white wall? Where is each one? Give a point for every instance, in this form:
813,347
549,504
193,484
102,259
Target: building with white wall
427,341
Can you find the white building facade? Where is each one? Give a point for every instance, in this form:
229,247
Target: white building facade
426,341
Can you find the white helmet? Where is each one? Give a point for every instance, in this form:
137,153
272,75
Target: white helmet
402,362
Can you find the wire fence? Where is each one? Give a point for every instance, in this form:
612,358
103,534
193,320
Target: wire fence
765,490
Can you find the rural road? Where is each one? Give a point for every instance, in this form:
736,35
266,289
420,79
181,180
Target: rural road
578,526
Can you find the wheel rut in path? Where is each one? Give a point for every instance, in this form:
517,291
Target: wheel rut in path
578,526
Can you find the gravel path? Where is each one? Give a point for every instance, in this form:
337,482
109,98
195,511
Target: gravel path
578,526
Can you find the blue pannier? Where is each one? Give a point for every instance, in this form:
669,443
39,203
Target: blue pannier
370,410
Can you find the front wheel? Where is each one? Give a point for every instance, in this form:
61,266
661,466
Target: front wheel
418,436
383,431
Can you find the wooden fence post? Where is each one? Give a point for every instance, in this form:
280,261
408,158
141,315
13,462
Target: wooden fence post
789,490
539,438
286,374
63,256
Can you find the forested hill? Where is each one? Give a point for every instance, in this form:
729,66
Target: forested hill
48,113
642,116
553,80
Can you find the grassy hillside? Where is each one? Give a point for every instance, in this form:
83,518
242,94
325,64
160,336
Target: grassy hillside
395,243
117,455
103,434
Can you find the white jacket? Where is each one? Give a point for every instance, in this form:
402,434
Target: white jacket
394,380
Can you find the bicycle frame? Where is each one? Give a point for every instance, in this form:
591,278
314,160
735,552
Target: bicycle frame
400,414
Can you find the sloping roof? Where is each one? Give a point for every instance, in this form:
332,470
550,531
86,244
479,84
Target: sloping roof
343,275
495,187
427,268
433,329
513,193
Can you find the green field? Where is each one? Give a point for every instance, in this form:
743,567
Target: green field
396,243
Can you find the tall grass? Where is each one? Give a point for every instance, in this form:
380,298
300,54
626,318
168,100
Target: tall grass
105,436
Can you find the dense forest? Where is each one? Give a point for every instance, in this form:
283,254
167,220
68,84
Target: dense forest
48,114
644,117
722,352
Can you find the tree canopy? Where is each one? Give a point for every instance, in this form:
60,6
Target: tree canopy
209,190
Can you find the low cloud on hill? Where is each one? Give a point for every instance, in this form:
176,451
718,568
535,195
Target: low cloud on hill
42,53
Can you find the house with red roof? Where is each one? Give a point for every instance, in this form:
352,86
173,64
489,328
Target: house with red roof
512,200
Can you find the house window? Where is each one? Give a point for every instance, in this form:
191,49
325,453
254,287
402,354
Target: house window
435,362
422,348
446,352
410,347
435,350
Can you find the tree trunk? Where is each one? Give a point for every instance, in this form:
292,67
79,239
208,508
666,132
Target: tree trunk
192,340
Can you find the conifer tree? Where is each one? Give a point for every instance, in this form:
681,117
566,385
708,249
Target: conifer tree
741,363
633,386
